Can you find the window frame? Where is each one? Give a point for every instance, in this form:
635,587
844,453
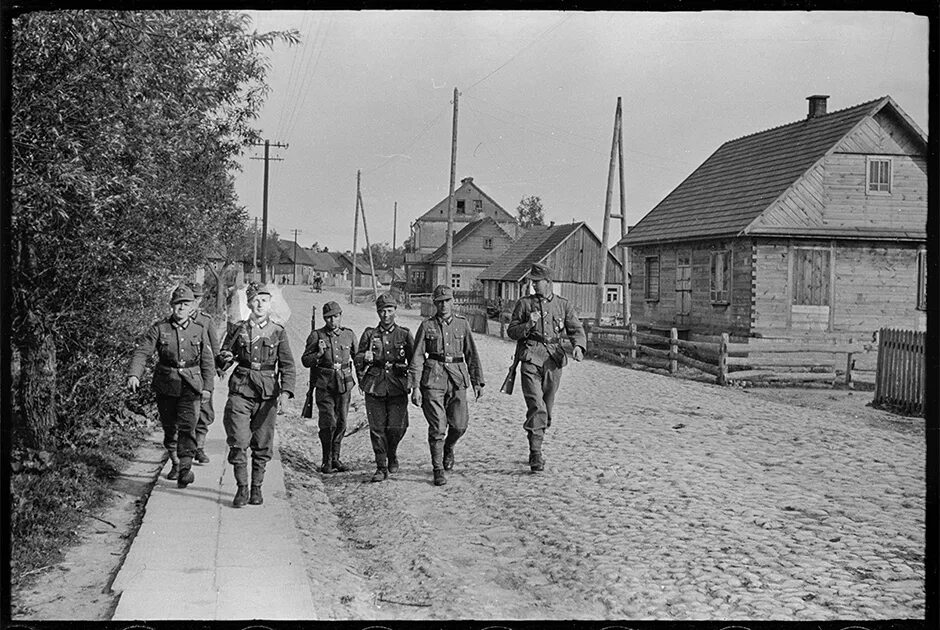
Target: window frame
488,243
611,291
869,161
478,205
648,295
454,280
460,207
720,296
921,280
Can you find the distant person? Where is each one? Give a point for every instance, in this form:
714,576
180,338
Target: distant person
183,377
262,383
206,412
318,283
330,351
382,362
439,382
539,323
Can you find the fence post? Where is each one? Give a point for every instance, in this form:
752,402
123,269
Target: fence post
848,366
723,360
632,337
673,350
879,365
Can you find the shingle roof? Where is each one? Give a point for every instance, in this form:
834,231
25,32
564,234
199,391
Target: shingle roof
345,261
537,243
744,177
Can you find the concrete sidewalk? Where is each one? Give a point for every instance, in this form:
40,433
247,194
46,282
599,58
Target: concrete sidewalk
197,557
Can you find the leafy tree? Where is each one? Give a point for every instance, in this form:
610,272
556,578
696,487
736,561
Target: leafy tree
529,212
126,128
384,256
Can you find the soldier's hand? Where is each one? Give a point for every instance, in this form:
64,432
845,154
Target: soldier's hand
478,391
370,356
133,383
533,317
578,353
226,356
321,343
282,399
206,395
416,397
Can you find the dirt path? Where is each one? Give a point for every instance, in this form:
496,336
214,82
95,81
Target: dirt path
662,499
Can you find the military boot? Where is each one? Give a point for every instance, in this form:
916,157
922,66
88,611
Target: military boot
448,456
174,467
393,462
380,474
257,478
241,479
327,447
256,498
536,461
186,477
201,457
338,465
439,478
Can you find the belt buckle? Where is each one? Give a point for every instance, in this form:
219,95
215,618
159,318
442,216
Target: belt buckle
337,366
448,358
256,365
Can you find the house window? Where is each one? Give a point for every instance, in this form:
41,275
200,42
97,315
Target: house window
922,280
721,277
461,206
478,205
487,243
612,294
455,281
651,278
417,277
879,175
811,277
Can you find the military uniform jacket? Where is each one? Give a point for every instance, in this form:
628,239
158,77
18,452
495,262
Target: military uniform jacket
333,366
264,365
540,340
203,319
445,350
387,373
184,356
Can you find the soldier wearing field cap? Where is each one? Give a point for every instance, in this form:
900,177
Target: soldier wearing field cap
206,412
382,366
330,351
445,364
184,376
261,384
539,324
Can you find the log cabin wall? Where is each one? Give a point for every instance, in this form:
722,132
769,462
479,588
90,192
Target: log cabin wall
705,315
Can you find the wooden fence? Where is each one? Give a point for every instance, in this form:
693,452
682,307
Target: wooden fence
754,360
900,379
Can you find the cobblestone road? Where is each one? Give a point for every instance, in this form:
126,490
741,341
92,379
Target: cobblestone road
661,499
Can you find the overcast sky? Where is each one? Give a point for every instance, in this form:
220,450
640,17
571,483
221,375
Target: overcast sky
373,90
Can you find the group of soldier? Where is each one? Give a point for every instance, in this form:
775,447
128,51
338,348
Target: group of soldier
436,367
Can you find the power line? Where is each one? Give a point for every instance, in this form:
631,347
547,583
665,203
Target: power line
299,79
414,141
290,75
309,75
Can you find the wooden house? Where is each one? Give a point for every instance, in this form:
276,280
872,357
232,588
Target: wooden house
325,266
572,251
363,273
812,229
475,247
293,266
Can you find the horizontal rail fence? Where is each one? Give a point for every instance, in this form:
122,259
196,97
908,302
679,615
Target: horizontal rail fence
751,360
900,378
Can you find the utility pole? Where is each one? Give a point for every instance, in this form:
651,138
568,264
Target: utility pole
295,254
365,231
254,254
264,221
450,200
602,277
352,278
394,234
624,257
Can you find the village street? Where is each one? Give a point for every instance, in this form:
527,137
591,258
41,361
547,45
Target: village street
661,499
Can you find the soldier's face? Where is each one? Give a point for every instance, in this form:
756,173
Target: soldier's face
541,287
444,307
387,315
333,321
260,305
182,310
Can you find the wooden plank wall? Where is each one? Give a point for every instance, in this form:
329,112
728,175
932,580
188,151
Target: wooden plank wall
471,249
577,260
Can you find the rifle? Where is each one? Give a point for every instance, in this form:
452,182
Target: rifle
509,383
307,411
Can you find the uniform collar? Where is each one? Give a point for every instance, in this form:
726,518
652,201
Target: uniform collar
332,331
183,324
442,320
546,298
389,329
258,324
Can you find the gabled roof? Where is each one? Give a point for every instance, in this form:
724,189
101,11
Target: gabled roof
344,260
322,261
740,180
439,211
287,253
537,243
460,236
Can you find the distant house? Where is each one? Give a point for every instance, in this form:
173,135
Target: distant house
475,247
294,264
429,233
390,277
325,266
573,252
816,227
364,272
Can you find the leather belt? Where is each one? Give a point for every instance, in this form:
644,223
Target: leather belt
445,359
340,366
257,365
178,365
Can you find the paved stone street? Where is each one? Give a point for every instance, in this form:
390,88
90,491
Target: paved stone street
662,499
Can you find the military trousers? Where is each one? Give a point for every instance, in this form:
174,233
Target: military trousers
388,422
448,416
206,417
539,385
332,408
178,416
249,423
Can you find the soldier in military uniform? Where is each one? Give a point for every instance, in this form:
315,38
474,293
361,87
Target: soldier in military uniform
439,382
206,412
539,323
330,351
382,366
184,376
261,384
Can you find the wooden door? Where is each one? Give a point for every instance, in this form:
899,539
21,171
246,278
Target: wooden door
683,287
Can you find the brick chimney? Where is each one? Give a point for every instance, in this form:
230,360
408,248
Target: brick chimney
466,180
817,105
